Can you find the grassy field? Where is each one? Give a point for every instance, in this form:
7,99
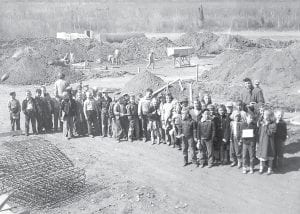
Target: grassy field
34,18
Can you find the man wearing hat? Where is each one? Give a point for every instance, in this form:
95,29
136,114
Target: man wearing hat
251,94
104,103
14,108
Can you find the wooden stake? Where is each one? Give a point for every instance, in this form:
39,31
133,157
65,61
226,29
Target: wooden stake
197,73
139,70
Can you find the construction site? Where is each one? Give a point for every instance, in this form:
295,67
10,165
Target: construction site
50,174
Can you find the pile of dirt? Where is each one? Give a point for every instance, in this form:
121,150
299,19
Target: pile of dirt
200,41
277,70
269,43
33,70
141,82
139,48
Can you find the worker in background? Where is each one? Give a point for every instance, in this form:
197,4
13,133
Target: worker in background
151,59
60,85
117,56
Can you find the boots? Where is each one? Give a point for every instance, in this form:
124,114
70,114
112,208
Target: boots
270,169
261,167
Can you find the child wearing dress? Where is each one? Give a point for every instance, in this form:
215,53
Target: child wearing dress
266,146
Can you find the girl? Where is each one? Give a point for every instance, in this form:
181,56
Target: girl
266,147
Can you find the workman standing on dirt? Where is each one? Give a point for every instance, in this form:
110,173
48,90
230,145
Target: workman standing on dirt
250,94
104,103
60,85
151,59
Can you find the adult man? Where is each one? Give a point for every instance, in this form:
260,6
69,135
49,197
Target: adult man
251,94
105,101
29,110
143,110
60,85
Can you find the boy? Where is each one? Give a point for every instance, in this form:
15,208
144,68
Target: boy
90,112
80,120
249,137
236,140
188,132
112,116
176,122
118,114
29,110
167,110
143,110
225,145
205,135
239,108
220,146
279,138
40,111
68,112
132,113
14,108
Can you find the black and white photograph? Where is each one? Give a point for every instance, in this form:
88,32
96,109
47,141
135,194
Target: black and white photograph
149,106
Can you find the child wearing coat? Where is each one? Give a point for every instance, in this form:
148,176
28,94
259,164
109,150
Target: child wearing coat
236,140
266,146
280,138
249,137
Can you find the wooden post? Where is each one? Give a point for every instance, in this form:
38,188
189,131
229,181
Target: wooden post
139,70
191,94
197,73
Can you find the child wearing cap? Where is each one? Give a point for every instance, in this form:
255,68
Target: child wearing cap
236,140
188,132
249,138
205,135
14,108
175,124
280,137
266,147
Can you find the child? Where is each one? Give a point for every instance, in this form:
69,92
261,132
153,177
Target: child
188,132
29,110
266,147
90,112
132,113
220,146
105,101
176,121
14,108
118,113
280,138
239,105
205,135
167,110
68,111
112,116
40,111
249,137
225,145
236,140
195,112
154,117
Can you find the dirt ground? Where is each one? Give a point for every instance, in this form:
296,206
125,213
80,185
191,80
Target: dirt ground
142,178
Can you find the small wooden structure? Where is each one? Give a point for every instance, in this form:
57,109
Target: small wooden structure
182,55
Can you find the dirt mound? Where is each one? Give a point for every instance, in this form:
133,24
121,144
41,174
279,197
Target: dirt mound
200,41
278,70
139,48
32,70
140,82
269,43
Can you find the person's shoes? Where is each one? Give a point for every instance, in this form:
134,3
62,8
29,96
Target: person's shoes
131,140
251,171
210,165
27,134
233,164
239,165
152,142
270,171
144,140
185,164
69,138
244,170
179,148
118,141
92,136
202,165
261,171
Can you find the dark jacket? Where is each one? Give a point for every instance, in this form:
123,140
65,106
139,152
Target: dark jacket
68,107
206,130
154,114
188,128
227,129
132,110
104,104
24,106
281,131
252,95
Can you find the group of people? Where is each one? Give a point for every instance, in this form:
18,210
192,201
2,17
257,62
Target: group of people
215,134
